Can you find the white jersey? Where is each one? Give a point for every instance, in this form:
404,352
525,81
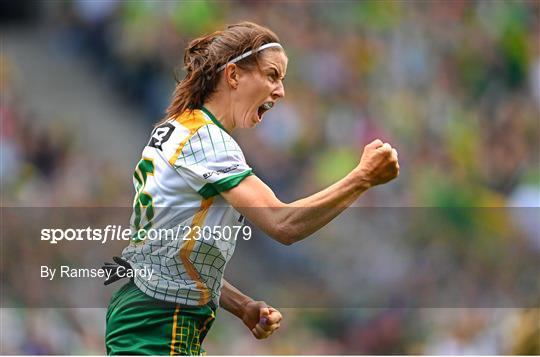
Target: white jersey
184,167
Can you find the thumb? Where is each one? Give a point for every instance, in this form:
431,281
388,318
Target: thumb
263,315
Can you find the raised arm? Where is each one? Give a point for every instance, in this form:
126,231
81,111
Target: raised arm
290,223
260,318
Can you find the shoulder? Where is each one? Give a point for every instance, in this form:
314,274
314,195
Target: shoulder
215,138
171,136
196,139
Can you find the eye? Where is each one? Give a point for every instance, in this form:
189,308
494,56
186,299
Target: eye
273,76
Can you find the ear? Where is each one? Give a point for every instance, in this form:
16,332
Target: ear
231,75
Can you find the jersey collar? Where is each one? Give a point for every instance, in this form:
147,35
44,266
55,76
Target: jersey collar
213,118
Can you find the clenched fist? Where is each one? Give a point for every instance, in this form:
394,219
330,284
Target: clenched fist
379,163
261,319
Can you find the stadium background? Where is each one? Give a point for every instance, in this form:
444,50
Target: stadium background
454,85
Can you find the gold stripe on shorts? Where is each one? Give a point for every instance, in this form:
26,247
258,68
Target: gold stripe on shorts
175,320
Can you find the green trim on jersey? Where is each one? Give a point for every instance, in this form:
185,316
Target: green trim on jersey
232,181
214,189
213,118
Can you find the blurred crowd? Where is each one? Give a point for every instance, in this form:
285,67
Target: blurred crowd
454,85
43,164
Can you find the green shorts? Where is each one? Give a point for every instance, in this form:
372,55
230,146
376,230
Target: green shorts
140,325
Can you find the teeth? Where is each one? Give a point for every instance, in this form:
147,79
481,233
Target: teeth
268,105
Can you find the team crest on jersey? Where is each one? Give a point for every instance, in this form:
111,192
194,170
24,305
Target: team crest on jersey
160,135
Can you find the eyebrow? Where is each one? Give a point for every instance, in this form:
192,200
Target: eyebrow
277,71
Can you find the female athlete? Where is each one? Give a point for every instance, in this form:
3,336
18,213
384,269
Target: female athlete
193,175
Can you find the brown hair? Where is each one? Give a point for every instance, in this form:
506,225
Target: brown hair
204,55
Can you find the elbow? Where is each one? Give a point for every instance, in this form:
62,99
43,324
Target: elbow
285,234
287,240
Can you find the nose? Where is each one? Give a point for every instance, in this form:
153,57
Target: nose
279,91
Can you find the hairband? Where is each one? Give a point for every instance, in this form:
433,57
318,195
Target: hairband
249,53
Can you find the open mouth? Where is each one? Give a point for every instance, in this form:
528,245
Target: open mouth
264,108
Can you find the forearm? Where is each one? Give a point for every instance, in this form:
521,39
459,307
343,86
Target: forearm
305,216
233,300
290,223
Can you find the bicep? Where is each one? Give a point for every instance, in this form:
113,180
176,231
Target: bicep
252,193
257,202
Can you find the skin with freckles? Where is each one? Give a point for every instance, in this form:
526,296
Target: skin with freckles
241,92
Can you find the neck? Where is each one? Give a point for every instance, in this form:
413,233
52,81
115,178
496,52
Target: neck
222,111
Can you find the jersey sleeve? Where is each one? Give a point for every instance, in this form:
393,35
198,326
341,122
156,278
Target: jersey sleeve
212,162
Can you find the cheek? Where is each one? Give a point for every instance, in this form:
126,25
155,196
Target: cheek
248,93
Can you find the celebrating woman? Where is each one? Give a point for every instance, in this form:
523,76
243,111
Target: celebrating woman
192,174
